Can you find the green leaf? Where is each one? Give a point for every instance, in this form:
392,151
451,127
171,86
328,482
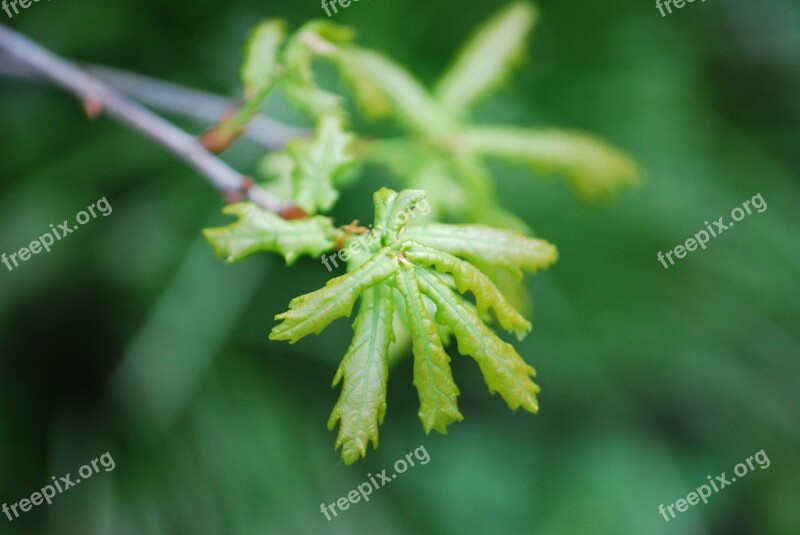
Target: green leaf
393,211
313,40
438,393
369,96
365,369
260,72
416,273
503,369
310,99
259,230
276,171
317,163
311,313
262,55
594,168
400,156
318,35
468,277
411,102
486,247
487,58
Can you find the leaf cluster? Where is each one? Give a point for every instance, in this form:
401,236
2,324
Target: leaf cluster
437,282
443,153
420,273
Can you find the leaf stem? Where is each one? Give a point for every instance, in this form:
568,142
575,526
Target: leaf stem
232,126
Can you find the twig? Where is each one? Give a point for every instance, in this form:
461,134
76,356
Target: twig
207,107
175,99
99,97
234,125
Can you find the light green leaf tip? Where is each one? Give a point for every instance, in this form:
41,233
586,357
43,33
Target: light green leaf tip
487,58
437,391
262,55
486,247
468,277
365,370
260,230
503,369
315,39
595,169
311,313
409,100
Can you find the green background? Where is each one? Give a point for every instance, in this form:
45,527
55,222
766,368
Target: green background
130,337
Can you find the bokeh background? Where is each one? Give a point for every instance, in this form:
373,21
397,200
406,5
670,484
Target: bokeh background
130,337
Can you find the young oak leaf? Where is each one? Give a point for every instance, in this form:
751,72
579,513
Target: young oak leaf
259,230
410,102
260,72
438,394
272,60
468,277
262,56
438,121
595,169
486,247
487,57
393,212
365,369
311,313
312,40
503,369
369,96
413,278
317,163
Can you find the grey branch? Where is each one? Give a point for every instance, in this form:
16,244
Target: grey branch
174,99
96,95
206,107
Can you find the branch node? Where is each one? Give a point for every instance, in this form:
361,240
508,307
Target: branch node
92,107
293,212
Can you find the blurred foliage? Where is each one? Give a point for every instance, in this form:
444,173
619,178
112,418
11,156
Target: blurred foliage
130,337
